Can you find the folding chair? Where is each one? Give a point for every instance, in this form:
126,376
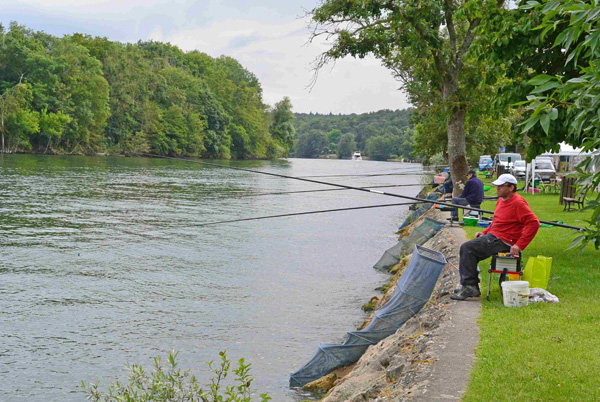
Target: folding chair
503,265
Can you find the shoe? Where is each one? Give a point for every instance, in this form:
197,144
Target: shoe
466,292
458,289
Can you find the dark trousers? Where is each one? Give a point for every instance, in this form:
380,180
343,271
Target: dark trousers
473,251
460,201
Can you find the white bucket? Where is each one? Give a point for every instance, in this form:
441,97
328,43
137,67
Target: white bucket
515,293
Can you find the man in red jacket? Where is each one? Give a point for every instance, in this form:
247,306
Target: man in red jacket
513,227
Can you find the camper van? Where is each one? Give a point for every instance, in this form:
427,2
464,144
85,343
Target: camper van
506,159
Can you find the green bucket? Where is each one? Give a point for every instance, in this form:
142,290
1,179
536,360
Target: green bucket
470,221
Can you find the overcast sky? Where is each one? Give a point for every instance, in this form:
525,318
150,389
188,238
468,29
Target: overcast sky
268,37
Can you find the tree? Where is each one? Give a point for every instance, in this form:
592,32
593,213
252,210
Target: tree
87,94
239,141
379,147
52,126
310,145
346,146
282,129
570,89
334,136
83,95
423,42
516,49
18,120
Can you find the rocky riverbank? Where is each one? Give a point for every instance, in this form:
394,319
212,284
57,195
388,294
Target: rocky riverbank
428,358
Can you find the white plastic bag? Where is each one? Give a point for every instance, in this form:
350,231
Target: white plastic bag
537,295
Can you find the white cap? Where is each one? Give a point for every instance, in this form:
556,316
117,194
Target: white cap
505,178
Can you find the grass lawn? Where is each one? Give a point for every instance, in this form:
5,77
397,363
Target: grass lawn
545,351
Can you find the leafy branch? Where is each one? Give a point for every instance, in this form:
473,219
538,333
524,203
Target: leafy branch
171,384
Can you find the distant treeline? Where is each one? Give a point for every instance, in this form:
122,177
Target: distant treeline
380,135
82,94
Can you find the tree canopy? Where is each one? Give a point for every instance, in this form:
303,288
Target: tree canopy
425,44
394,124
83,94
564,100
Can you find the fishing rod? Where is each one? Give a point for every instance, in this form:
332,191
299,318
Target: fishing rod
303,213
367,175
448,204
320,190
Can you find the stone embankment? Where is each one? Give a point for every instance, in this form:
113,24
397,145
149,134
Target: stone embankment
427,359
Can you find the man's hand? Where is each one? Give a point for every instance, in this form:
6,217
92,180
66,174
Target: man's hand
514,251
479,234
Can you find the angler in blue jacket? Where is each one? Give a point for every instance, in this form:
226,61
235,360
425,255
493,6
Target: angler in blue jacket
472,194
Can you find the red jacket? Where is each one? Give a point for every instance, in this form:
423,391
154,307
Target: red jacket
514,222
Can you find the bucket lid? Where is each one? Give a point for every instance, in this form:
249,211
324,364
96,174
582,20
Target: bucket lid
515,284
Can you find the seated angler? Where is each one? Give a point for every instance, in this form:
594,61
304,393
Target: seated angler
471,195
513,227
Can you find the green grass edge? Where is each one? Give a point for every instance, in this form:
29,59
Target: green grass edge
545,351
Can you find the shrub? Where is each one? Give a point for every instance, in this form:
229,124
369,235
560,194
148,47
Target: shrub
170,384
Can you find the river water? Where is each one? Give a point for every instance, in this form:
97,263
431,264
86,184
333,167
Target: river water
103,264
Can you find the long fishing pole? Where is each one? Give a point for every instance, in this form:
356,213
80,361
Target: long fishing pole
320,190
421,173
303,213
366,190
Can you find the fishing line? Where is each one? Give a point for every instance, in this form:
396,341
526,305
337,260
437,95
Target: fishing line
366,190
320,190
303,213
367,175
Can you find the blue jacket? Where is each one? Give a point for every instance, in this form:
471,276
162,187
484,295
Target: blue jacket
473,191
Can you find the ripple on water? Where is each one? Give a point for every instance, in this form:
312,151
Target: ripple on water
104,264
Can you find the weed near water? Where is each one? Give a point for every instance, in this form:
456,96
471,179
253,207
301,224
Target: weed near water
170,384
545,351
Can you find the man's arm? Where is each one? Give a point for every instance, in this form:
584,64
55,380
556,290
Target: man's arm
467,190
531,225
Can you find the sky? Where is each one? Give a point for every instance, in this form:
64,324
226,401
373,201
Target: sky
268,37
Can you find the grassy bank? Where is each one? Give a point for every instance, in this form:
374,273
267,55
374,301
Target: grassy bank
545,351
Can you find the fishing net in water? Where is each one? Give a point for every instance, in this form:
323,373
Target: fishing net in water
419,236
412,292
413,216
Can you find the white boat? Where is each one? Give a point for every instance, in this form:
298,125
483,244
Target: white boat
356,156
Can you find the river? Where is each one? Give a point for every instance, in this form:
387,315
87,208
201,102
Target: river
103,264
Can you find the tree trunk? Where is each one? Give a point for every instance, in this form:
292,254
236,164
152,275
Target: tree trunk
457,159
457,151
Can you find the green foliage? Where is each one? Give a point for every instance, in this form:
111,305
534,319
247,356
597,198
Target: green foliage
380,147
346,146
18,120
562,85
282,128
425,44
80,94
170,384
572,85
360,127
334,136
310,145
437,160
588,178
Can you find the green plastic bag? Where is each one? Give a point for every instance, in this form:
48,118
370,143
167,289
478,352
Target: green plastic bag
537,271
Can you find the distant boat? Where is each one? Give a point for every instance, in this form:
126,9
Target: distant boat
356,156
